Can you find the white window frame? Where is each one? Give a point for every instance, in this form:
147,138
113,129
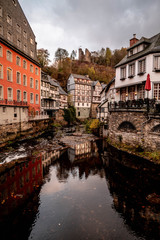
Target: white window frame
156,91
1,72
18,90
131,70
156,62
9,57
11,74
2,95
36,71
18,61
25,76
123,73
37,100
24,99
31,99
18,81
31,68
142,66
24,64
31,83
37,84
10,98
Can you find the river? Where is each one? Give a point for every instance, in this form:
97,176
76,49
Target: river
98,193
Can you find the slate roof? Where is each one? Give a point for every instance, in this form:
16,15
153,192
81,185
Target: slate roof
80,76
61,91
54,82
153,46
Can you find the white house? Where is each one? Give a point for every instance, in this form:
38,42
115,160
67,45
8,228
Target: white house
79,89
143,57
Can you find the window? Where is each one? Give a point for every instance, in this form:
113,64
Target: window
24,34
24,80
1,92
32,54
31,98
10,94
25,96
36,84
131,70
123,73
25,23
156,91
31,82
1,12
9,19
31,68
25,48
18,43
123,94
1,71
18,28
141,91
18,61
142,66
9,56
4,109
18,78
36,70
9,74
18,95
14,2
24,64
9,36
157,63
31,41
1,51
37,99
1,30
131,93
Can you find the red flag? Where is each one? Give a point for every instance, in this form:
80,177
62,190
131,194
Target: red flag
148,83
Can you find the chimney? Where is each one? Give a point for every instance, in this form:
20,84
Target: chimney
133,40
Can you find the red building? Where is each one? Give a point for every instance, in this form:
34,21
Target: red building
20,73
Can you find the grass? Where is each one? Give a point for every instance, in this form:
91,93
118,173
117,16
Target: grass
137,150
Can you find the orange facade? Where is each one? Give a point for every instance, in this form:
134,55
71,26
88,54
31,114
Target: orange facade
22,77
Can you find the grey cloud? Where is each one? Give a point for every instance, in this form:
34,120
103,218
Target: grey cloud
96,23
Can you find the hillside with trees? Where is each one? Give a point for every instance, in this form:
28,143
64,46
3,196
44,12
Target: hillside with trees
100,67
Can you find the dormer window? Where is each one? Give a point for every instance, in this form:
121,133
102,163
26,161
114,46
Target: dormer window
157,63
141,66
123,73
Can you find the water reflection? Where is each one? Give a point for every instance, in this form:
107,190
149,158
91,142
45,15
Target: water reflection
136,193
91,191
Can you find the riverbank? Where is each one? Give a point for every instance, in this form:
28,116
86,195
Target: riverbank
137,150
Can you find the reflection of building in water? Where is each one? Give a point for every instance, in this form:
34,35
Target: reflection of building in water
82,150
48,157
130,189
21,179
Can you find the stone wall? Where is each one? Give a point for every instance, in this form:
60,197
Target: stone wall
10,132
135,128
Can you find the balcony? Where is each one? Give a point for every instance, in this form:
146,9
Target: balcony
6,102
146,105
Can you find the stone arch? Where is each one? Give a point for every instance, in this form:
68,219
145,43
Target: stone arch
156,128
127,126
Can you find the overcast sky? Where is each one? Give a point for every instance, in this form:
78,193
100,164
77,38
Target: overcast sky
91,24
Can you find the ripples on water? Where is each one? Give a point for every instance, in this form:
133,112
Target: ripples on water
90,192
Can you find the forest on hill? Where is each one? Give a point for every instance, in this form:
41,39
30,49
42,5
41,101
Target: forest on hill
100,67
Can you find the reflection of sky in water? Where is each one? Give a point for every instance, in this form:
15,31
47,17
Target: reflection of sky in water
80,209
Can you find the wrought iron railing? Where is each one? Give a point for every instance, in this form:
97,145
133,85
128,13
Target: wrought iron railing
150,105
13,102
